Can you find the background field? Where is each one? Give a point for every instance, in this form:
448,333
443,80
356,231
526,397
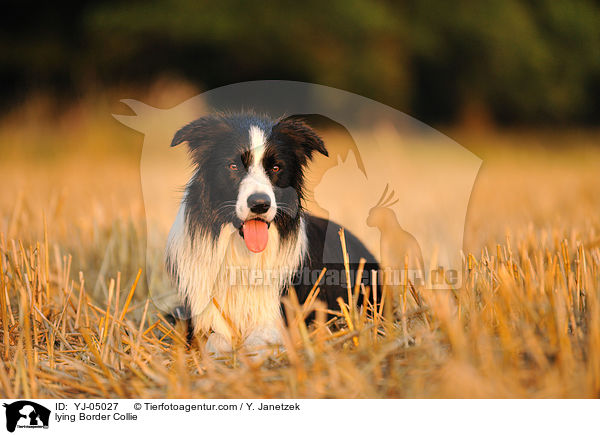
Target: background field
515,82
74,323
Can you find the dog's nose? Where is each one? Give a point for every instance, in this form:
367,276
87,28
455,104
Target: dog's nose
259,203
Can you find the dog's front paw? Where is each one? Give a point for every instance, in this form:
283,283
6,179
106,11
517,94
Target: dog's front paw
263,342
263,337
217,345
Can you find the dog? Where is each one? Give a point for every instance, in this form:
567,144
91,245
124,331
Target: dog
242,237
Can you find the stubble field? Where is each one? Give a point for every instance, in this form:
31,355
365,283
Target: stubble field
76,319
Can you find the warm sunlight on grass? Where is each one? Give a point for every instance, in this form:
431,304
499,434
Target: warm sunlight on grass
76,320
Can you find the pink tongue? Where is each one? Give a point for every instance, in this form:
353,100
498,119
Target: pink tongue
256,235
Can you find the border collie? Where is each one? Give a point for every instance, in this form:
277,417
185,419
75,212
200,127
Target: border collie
241,236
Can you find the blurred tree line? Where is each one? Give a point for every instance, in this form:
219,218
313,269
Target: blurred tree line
516,62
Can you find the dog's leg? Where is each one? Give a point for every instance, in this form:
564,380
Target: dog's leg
263,341
217,345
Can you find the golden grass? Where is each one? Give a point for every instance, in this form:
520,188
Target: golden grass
76,320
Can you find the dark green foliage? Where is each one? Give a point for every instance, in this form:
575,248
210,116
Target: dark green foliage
521,61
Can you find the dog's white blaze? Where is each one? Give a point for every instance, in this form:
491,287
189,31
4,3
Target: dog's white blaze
256,181
257,141
206,270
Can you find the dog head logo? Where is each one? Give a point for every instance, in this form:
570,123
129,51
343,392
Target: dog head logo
26,414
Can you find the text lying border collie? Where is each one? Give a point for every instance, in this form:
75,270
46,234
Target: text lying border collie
243,210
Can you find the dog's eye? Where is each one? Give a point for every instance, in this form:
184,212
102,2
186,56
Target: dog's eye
233,166
275,168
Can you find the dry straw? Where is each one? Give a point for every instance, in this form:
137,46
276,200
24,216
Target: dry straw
526,323
77,319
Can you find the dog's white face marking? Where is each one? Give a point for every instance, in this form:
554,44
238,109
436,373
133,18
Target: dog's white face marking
256,181
257,142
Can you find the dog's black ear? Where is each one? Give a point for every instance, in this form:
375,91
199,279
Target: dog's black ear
183,134
201,132
298,133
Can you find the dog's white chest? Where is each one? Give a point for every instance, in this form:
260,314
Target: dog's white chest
229,289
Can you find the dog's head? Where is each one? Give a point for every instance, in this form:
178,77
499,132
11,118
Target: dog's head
249,171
